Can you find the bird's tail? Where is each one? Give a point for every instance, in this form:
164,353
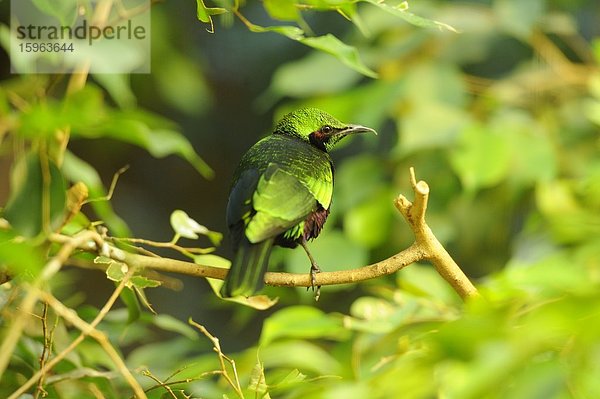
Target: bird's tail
246,275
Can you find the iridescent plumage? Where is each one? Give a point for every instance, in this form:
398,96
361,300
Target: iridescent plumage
281,193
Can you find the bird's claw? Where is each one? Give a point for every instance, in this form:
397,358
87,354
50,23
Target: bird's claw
314,269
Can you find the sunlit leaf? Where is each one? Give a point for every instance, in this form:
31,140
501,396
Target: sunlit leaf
181,82
402,11
481,159
300,354
315,74
205,14
284,10
343,52
19,259
425,281
119,88
144,282
116,271
369,223
170,323
301,322
327,43
258,382
160,141
292,378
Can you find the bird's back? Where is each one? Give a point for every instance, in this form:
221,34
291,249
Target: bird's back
304,161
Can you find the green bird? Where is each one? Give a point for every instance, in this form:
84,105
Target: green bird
281,194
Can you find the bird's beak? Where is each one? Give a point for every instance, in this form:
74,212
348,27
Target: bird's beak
352,129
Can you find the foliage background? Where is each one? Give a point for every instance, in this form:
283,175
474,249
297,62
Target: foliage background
501,120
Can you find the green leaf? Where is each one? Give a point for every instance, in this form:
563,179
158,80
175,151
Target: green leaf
292,32
158,141
181,83
41,120
20,258
284,10
482,158
144,282
116,271
329,44
425,281
356,181
343,52
29,193
119,88
300,354
205,14
258,381
170,323
596,48
301,322
402,11
315,74
350,12
140,295
369,223
292,378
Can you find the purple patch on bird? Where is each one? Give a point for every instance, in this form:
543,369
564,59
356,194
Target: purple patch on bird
314,223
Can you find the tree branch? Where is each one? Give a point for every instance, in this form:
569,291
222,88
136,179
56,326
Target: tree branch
425,247
430,247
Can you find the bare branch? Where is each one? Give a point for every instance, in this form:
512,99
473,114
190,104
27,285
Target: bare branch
431,248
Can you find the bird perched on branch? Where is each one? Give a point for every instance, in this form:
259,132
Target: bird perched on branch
281,194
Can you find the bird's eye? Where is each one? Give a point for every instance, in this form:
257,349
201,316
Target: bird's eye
326,129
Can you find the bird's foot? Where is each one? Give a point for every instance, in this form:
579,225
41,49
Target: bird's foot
314,269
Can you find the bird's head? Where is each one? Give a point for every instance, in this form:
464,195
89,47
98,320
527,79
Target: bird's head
317,127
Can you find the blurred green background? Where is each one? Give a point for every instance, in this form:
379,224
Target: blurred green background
501,119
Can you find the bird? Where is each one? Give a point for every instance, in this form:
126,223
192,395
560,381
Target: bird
281,194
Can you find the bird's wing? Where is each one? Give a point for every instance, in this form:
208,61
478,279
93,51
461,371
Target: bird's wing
280,201
321,187
239,207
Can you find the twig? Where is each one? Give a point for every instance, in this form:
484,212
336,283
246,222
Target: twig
159,383
88,330
60,356
45,351
184,250
111,189
222,359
